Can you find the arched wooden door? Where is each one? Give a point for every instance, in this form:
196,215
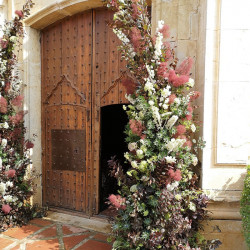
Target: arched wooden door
80,66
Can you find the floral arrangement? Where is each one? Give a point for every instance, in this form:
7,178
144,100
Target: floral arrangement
159,203
15,185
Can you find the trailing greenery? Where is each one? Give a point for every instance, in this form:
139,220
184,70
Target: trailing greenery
159,204
245,207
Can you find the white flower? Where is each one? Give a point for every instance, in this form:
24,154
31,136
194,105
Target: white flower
192,206
156,115
2,188
151,103
177,101
190,82
165,106
174,144
9,198
158,45
166,92
171,187
1,163
194,160
9,184
6,125
178,197
4,143
193,128
13,39
7,168
160,25
130,99
149,86
172,121
170,159
139,153
151,72
134,164
132,146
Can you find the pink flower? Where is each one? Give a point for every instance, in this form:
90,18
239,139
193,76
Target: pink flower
7,87
171,98
165,31
190,112
17,101
176,80
180,130
135,11
129,85
136,38
117,201
3,105
136,127
17,117
175,175
6,208
19,13
185,67
3,43
162,70
188,143
195,95
11,173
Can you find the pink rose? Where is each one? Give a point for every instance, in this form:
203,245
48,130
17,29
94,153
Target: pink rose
11,173
6,208
19,13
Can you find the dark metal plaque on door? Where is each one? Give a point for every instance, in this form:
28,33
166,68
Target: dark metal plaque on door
68,149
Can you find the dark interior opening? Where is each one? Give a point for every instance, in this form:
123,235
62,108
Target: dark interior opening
113,122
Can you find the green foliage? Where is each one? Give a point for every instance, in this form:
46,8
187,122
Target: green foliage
245,207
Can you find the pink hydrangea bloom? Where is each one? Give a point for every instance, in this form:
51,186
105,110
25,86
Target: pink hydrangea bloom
19,13
176,80
185,67
3,105
117,201
6,208
171,98
17,101
136,127
11,173
175,175
17,117
180,130
162,70
136,38
165,31
7,87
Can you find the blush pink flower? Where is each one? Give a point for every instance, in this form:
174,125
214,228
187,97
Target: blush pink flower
7,87
180,130
171,98
11,173
3,43
136,38
29,145
188,143
3,105
136,127
17,117
17,101
165,31
117,201
19,13
185,67
175,175
190,112
176,80
162,70
135,12
195,95
6,208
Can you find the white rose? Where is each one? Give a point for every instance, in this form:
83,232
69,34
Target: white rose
170,159
6,125
165,106
139,153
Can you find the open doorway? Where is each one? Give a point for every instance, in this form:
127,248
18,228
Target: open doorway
113,122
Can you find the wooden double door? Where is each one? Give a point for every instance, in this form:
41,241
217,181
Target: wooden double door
81,67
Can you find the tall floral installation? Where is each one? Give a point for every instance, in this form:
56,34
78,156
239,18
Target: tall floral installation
159,204
15,185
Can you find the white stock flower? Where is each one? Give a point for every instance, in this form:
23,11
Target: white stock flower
134,164
132,146
174,144
193,128
151,72
192,206
170,159
194,160
172,121
2,188
4,143
190,82
156,115
158,45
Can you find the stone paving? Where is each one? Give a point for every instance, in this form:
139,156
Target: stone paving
45,234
